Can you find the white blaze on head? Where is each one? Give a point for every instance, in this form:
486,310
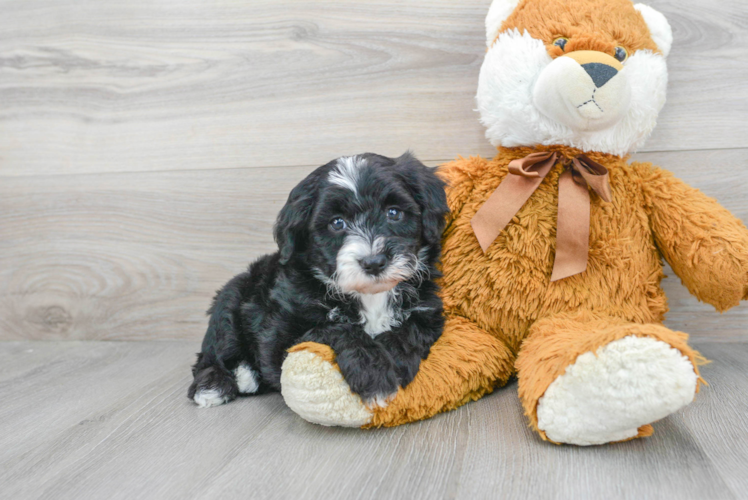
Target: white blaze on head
346,172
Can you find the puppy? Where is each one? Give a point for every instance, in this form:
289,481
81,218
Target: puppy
358,242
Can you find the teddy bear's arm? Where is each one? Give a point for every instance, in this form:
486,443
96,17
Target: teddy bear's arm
459,176
704,243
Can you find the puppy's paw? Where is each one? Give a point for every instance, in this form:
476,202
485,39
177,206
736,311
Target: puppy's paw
205,398
380,400
371,374
212,387
313,387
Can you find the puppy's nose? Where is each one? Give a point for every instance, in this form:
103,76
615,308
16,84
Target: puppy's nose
374,264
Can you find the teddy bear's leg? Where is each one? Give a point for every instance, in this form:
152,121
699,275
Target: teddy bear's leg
589,379
464,364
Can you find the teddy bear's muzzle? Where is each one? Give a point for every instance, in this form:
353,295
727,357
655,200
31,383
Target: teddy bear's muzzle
585,90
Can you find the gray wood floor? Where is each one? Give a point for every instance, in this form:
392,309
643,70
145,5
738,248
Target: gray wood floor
111,420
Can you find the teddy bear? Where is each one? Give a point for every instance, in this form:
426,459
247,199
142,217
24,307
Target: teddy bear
553,251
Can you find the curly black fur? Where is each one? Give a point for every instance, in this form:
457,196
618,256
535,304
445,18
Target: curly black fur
317,286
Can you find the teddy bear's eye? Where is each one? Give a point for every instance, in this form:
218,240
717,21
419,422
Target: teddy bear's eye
560,42
621,54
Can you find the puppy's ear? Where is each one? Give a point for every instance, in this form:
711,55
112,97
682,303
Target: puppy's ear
291,230
428,191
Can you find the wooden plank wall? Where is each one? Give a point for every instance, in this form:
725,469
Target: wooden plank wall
146,146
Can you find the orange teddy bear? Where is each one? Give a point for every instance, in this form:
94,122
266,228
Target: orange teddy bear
552,255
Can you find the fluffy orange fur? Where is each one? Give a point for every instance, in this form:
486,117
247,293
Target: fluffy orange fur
469,363
323,351
539,327
503,314
588,24
554,343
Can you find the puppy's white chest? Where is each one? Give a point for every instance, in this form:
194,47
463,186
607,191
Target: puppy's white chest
377,314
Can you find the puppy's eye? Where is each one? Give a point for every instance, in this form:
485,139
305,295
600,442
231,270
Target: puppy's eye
394,214
338,224
621,54
560,42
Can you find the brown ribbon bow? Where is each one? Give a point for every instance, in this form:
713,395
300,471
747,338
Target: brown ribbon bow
573,226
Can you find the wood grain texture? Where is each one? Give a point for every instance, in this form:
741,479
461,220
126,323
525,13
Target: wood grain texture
145,148
721,437
111,420
129,255
139,255
107,86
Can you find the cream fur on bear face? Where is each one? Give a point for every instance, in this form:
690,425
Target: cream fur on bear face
531,91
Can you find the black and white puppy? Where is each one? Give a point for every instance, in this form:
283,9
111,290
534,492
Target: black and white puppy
358,241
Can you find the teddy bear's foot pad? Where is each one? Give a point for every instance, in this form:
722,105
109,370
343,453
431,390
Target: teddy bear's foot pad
314,389
606,396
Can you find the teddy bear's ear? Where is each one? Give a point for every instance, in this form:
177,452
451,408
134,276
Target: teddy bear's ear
658,26
497,14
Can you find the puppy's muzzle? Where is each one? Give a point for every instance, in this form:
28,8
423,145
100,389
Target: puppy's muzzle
374,264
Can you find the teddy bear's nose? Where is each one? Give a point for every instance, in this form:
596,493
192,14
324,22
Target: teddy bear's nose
600,73
600,66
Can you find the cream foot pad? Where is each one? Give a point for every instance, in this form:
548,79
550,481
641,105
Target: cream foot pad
315,389
606,396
